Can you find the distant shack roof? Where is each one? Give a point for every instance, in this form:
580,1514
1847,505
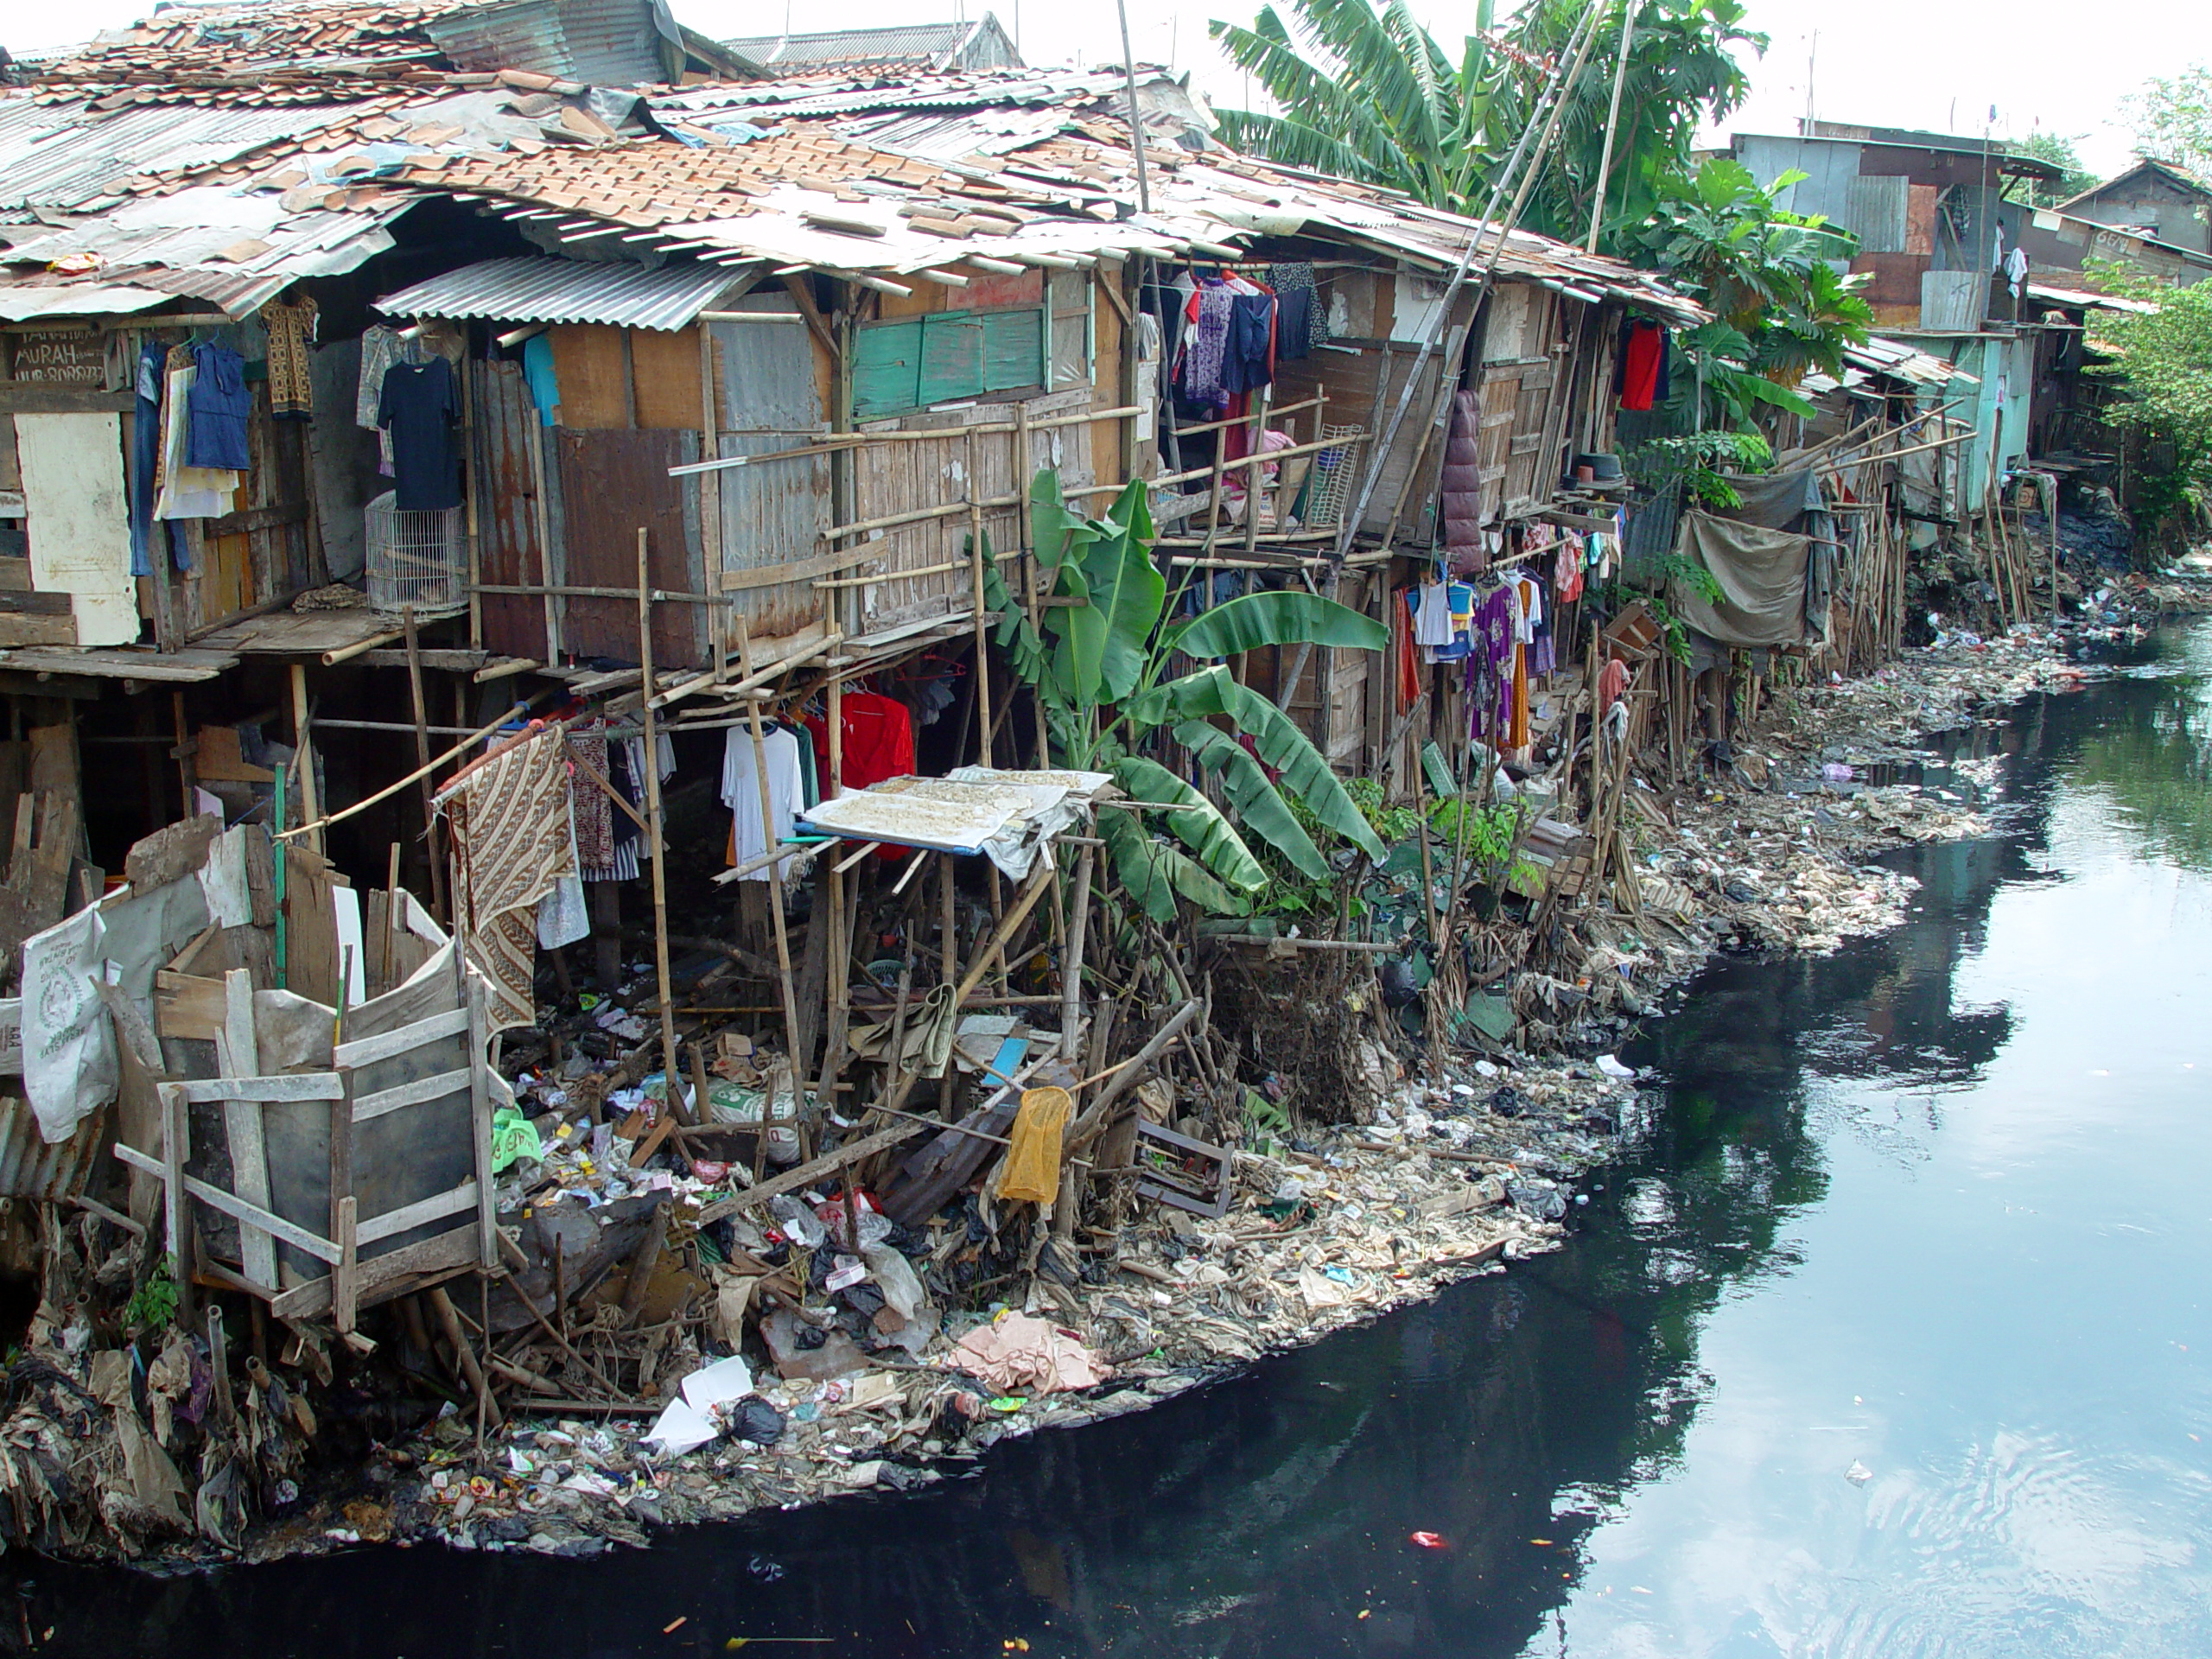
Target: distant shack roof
175,189
982,44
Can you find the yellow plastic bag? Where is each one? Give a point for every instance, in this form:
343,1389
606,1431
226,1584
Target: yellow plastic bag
1033,1163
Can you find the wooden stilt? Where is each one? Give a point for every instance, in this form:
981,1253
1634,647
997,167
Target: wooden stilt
775,881
435,834
304,750
656,846
1071,964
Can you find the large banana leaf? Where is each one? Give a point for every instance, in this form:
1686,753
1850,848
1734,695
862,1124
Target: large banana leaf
1289,618
1109,640
1211,691
1052,524
1258,805
1196,822
1153,873
1024,647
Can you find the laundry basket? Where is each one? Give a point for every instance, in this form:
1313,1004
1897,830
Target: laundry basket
416,559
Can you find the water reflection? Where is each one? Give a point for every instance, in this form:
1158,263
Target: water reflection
1530,1420
2154,765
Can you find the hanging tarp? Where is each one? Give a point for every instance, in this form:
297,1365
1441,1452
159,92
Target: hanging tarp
1761,574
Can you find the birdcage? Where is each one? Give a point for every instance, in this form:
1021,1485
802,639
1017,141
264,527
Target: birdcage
416,560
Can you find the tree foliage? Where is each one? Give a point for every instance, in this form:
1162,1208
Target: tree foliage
2061,153
1780,308
1360,88
2161,368
2172,118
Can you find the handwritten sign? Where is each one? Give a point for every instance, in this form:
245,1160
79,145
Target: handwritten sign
58,359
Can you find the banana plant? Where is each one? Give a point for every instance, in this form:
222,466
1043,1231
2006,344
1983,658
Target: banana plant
1102,662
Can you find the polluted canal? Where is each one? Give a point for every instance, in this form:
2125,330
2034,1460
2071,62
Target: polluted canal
1885,1335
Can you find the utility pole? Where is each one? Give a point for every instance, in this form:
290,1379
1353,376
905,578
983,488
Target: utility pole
1136,117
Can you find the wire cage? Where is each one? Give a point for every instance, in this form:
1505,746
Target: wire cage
416,559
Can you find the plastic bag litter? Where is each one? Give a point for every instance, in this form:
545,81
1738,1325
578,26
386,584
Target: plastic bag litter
798,1222
1033,1162
756,1420
514,1137
894,1277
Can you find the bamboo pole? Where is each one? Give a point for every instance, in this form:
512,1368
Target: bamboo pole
976,581
303,752
775,876
433,832
1078,925
654,823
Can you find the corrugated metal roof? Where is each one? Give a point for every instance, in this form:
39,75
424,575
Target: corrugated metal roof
76,300
981,44
30,1168
2088,301
598,42
566,290
61,155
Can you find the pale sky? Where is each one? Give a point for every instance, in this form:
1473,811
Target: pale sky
1938,64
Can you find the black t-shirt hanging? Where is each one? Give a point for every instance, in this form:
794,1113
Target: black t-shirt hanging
420,404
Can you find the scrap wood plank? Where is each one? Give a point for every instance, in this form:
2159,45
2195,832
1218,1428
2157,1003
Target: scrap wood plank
828,1163
393,1272
298,1237
171,853
238,1052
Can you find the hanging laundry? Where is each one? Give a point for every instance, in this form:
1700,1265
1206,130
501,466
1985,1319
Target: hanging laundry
183,491
1490,666
1301,320
1207,340
623,866
146,534
219,404
1641,375
1406,659
381,348
878,741
512,843
539,375
593,811
420,406
1566,570
1432,609
291,356
1613,683
741,792
1248,360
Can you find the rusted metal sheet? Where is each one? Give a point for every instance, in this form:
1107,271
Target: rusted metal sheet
612,483
511,554
779,513
31,1169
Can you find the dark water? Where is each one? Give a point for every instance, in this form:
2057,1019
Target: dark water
1937,1207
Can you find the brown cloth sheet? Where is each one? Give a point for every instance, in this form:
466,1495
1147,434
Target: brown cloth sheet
1762,577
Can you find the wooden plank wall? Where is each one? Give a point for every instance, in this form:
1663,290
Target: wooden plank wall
611,482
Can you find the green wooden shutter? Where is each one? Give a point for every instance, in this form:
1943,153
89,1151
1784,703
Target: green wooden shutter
953,357
1013,350
886,369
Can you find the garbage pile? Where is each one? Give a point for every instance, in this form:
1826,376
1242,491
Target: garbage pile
809,1391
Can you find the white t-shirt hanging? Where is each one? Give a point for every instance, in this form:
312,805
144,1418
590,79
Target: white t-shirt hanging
741,794
1433,615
